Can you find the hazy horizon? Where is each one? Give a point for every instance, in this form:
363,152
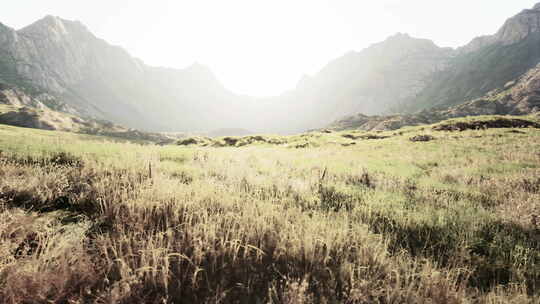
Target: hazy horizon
262,48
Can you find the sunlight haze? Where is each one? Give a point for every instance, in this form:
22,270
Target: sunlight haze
263,48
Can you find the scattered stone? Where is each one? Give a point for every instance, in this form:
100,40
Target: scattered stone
349,136
187,142
422,138
371,136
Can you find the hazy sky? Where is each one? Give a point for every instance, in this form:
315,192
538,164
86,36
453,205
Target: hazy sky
264,47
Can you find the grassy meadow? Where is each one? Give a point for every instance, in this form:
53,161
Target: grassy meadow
323,217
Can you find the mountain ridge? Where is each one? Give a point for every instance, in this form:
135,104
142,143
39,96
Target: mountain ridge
401,74
518,97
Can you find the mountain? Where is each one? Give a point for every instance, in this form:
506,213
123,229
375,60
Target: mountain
100,80
373,80
517,97
485,64
62,65
406,81
94,79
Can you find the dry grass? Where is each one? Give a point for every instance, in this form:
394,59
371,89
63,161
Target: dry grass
383,221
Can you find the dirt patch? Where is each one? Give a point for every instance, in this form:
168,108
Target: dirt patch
230,141
486,124
365,136
422,138
372,136
302,146
189,141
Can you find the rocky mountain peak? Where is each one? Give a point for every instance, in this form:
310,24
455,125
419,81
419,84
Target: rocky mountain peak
47,24
400,36
6,33
55,26
403,45
520,26
200,72
403,40
514,30
199,68
4,27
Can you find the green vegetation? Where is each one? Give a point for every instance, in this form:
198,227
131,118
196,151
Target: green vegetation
323,217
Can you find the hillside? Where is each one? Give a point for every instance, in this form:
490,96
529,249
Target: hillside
371,81
518,97
485,64
19,108
407,81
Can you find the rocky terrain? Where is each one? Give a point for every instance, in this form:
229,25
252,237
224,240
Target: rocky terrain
518,97
18,108
485,64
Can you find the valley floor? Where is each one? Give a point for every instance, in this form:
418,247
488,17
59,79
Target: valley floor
455,219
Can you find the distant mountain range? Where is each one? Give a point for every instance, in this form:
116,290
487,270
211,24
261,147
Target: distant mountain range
60,65
520,97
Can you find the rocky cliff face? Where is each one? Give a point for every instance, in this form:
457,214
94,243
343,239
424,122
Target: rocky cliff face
485,64
62,58
518,97
514,30
55,54
98,80
520,26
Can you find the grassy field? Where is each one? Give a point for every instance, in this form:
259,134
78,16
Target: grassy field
324,217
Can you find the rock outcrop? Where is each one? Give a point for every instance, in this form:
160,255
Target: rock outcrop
514,30
520,26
